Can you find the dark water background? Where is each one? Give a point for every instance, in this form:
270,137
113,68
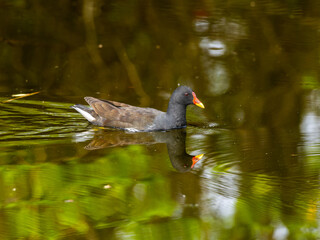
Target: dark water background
254,65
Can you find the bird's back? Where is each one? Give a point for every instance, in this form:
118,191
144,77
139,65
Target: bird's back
121,115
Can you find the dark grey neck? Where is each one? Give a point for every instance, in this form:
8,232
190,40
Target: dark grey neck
176,113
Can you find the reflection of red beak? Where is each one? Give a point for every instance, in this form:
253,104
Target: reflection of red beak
196,159
196,101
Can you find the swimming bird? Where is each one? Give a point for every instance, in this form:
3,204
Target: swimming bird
107,113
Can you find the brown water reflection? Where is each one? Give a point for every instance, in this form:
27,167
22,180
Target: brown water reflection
255,66
174,139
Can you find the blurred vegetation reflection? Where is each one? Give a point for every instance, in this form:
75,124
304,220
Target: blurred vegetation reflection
254,64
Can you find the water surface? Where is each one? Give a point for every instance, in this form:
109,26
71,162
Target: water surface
255,67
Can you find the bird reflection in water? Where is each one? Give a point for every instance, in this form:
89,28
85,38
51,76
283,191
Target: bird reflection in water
174,139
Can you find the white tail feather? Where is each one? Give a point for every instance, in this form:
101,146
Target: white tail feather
87,115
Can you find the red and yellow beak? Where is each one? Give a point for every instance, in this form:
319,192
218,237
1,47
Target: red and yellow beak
196,101
196,159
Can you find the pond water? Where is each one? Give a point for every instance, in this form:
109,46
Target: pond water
254,65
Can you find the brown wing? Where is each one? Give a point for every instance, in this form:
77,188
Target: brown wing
121,115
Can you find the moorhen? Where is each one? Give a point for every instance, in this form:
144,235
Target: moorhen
113,114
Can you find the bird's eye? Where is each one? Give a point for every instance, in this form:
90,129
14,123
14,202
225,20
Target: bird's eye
186,94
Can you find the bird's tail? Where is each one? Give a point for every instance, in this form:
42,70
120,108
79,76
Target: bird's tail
88,113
